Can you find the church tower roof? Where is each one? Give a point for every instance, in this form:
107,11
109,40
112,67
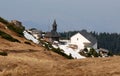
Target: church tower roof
53,34
54,26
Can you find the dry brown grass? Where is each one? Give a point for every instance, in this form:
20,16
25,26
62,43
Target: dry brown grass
14,65
33,60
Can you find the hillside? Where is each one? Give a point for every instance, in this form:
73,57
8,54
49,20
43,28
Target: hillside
24,46
32,66
33,60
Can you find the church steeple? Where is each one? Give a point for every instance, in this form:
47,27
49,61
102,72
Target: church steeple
54,26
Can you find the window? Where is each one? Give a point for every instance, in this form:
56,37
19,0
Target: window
77,38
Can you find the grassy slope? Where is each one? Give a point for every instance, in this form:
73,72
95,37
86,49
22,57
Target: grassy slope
31,66
33,60
15,47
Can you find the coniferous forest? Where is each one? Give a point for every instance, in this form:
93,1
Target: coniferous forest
110,41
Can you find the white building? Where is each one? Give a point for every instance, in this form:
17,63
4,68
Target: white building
83,39
79,40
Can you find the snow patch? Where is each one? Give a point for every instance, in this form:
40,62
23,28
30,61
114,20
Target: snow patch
68,51
30,37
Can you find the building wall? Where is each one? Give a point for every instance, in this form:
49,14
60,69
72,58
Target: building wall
95,46
79,40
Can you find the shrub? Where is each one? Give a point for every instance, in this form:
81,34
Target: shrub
27,43
8,37
92,52
3,20
12,26
56,50
89,53
110,53
85,49
3,53
59,51
83,53
47,46
70,57
15,29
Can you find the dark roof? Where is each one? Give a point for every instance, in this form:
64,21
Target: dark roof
88,36
48,34
35,31
52,34
55,34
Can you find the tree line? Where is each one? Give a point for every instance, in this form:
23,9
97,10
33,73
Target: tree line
110,41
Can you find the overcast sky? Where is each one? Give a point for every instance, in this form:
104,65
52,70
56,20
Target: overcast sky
93,15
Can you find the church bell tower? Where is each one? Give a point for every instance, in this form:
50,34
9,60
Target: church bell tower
54,26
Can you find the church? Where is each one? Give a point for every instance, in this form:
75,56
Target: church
53,35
